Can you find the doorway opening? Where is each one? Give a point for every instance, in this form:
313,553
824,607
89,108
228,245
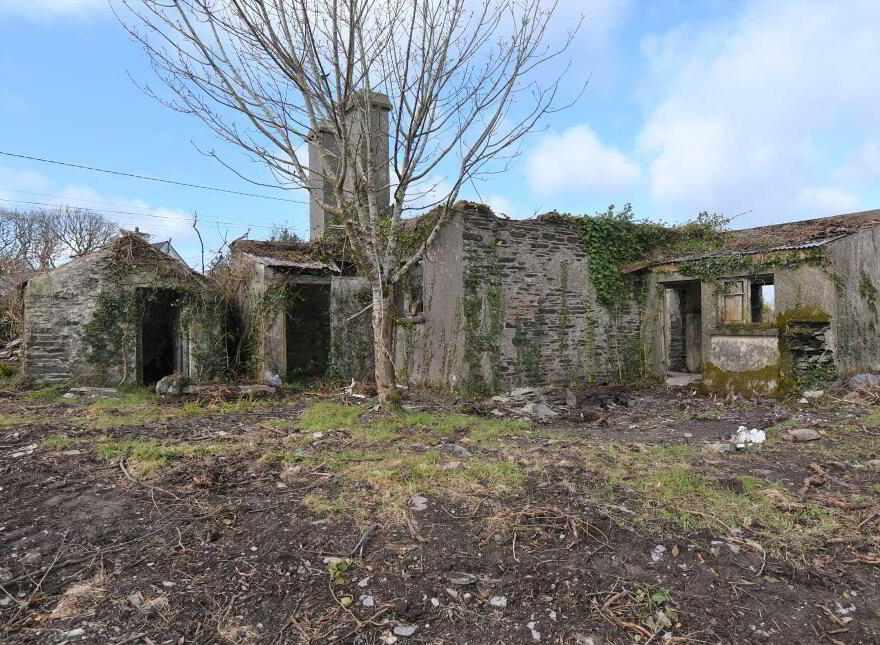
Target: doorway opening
684,324
308,329
160,344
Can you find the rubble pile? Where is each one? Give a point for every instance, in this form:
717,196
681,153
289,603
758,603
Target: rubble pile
553,404
10,354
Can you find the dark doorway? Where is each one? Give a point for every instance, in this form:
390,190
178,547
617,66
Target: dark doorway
308,329
159,341
684,327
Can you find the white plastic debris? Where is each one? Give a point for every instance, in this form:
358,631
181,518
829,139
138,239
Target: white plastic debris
744,437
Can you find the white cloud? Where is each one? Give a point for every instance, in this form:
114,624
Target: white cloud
500,205
578,160
826,199
41,9
748,113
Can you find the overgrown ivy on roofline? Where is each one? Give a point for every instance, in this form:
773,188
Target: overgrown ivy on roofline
615,239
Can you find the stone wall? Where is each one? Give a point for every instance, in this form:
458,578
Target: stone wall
351,329
855,329
522,312
61,306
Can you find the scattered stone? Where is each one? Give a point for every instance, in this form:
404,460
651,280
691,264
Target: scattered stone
500,399
859,380
451,592
720,447
27,450
5,601
452,465
544,411
459,578
363,582
74,633
72,453
803,400
172,385
388,638
418,503
367,601
521,392
688,435
498,601
94,392
583,639
803,434
874,464
5,575
273,380
405,630
536,635
31,557
455,449
435,602
136,599
256,390
658,553
570,399
814,394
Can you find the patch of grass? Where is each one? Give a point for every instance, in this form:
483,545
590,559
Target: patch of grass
390,426
146,457
872,420
14,420
57,443
327,415
671,485
43,394
322,505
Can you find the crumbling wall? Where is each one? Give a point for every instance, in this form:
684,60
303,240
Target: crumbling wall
855,327
79,319
429,346
351,329
529,310
57,304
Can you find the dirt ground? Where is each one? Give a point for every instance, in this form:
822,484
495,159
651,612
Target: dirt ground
313,519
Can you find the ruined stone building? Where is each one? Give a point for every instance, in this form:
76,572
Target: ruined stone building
126,313
783,307
296,299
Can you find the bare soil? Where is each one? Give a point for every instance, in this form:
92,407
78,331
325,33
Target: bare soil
230,546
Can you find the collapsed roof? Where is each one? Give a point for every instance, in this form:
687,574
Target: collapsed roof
789,236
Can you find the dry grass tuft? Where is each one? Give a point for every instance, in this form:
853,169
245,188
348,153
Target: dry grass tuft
82,598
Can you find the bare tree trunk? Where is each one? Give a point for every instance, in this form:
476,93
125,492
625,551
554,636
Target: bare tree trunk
383,345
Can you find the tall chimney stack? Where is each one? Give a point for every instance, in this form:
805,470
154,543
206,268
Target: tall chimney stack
320,182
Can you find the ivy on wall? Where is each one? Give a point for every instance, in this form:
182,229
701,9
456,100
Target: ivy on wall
615,239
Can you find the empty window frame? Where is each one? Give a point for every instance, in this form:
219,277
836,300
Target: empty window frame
762,298
746,300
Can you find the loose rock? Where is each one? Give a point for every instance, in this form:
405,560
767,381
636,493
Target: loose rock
720,447
803,434
405,630
498,601
459,578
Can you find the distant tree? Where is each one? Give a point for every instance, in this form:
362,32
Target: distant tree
36,240
82,230
281,233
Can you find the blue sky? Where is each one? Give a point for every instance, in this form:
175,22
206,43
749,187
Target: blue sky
766,110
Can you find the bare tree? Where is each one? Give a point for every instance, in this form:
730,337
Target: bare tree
464,79
82,230
38,239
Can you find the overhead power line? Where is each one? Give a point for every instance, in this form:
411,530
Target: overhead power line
147,178
147,208
165,217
